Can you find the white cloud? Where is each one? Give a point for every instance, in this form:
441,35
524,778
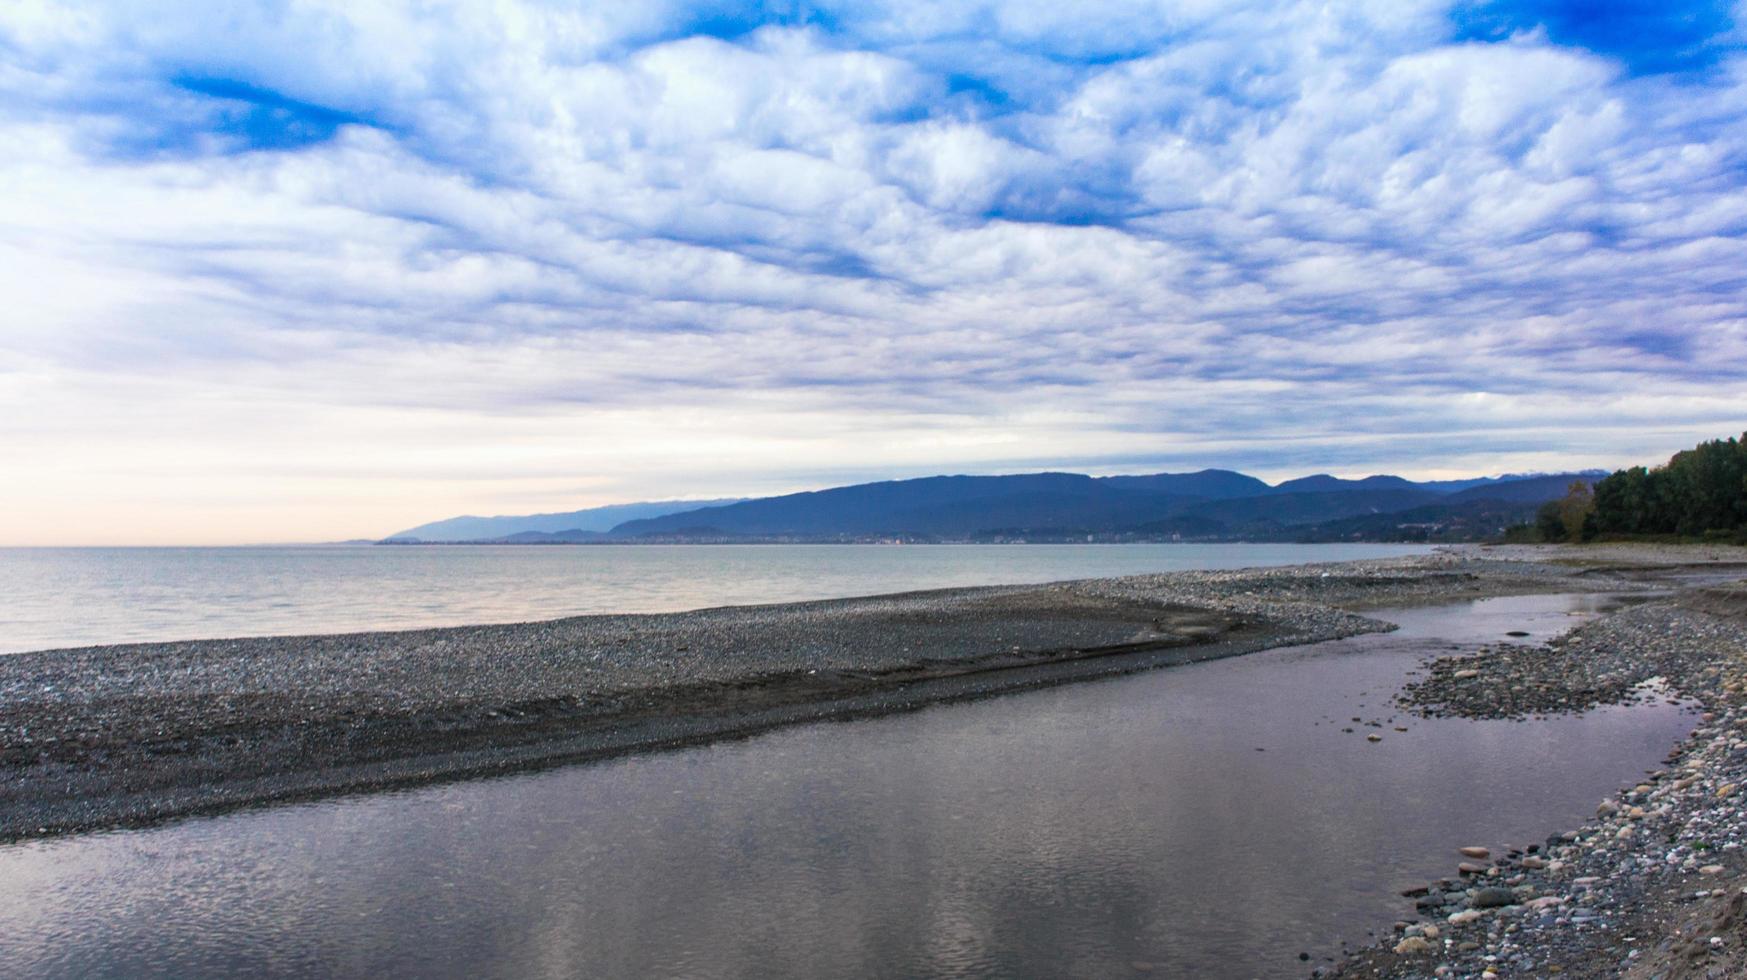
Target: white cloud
599,258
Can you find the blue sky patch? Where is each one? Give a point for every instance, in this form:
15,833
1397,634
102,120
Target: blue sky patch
1649,37
255,118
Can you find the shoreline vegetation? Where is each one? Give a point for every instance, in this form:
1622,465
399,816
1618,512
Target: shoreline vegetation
120,736
1699,495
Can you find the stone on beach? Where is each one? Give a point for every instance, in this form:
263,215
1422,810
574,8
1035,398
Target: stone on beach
1492,897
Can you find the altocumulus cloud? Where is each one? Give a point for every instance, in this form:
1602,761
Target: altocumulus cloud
299,268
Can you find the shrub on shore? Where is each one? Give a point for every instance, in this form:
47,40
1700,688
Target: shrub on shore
1570,518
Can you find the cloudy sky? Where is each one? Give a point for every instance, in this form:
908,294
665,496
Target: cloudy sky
314,270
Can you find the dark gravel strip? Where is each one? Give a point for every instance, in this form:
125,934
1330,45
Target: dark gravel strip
108,736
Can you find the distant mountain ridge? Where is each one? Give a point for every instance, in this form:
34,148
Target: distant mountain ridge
597,519
1208,504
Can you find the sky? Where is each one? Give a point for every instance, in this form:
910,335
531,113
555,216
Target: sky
286,271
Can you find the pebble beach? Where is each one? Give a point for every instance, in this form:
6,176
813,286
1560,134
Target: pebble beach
126,735
1655,886
131,735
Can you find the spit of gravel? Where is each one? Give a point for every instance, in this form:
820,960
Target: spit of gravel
98,692
107,736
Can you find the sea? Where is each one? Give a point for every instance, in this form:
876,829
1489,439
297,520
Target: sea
54,598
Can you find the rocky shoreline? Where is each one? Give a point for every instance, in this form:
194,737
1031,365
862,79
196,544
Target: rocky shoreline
1655,886
129,735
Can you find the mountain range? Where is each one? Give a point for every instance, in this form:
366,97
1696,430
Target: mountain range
1204,505
595,519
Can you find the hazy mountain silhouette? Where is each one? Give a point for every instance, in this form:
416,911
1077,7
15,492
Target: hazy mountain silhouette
592,519
1210,504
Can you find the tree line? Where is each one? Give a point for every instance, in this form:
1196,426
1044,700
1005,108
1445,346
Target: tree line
1699,493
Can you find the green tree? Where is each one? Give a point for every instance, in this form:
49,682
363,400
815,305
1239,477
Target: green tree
1622,502
1700,491
1550,521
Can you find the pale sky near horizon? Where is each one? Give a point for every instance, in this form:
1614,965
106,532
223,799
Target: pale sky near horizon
291,270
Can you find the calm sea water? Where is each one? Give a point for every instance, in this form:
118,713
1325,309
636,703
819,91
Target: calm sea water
63,597
1208,821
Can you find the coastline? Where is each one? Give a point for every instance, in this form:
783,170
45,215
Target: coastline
121,736
129,735
1655,885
